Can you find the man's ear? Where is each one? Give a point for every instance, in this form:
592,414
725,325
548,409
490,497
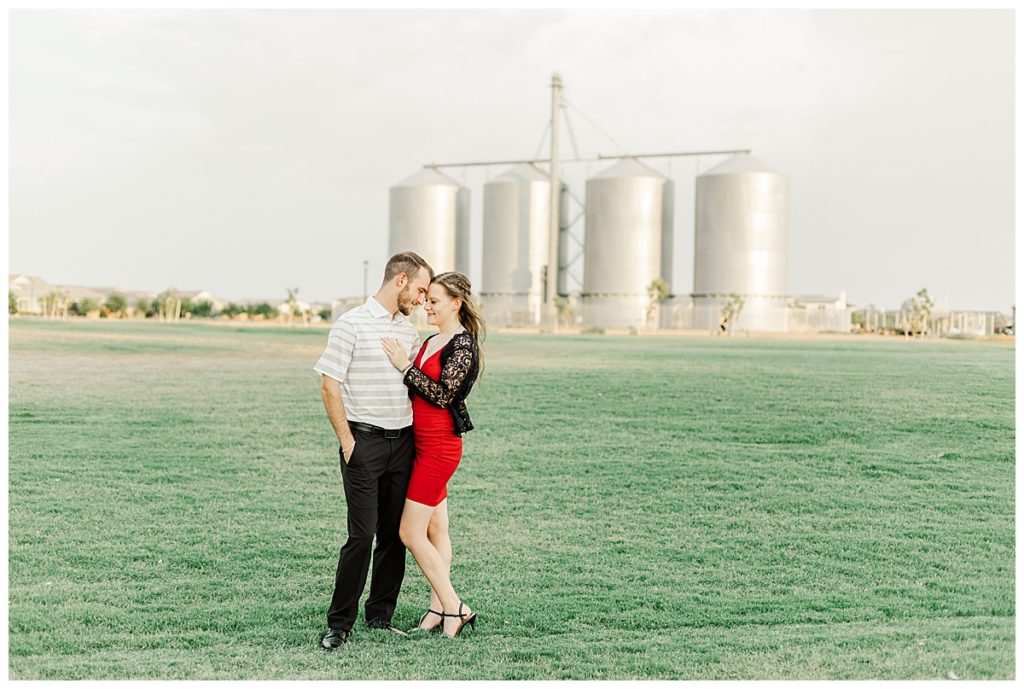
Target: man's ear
401,280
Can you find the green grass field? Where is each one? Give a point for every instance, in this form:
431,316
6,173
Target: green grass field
628,507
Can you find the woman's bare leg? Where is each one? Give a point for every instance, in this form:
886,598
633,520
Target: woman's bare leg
437,534
413,532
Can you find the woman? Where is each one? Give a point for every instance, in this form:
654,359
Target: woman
440,379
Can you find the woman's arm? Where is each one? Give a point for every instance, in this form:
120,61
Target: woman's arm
458,366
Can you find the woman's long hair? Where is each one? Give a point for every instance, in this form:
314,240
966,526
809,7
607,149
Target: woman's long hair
458,285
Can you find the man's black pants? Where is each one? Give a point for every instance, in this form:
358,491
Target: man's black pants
375,478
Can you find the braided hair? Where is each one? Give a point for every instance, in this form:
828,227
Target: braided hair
458,285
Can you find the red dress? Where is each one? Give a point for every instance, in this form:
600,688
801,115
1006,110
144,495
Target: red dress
438,449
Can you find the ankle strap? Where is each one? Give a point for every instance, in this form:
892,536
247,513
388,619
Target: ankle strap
454,614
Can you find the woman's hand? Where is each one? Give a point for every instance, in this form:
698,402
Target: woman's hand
395,352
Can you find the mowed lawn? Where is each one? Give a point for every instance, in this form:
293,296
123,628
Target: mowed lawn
628,507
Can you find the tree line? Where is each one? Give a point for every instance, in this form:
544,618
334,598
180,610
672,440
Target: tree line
167,306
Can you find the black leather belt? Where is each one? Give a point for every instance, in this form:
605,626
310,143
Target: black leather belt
377,430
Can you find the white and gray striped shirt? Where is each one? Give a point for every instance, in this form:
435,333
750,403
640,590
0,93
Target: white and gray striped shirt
371,388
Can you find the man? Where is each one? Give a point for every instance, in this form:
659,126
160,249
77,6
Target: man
369,407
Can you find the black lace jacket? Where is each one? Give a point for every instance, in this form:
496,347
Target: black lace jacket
460,364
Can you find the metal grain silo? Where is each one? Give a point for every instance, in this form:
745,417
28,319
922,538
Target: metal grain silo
429,214
628,232
742,244
515,245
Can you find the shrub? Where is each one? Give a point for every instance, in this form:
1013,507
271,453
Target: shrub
87,305
116,304
203,309
231,310
264,309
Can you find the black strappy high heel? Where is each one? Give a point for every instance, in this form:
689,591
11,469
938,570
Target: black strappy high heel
419,625
471,620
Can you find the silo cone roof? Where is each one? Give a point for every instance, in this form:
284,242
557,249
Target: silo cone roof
523,172
428,176
628,167
740,163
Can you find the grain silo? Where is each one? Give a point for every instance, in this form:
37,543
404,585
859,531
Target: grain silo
741,244
515,245
429,214
628,243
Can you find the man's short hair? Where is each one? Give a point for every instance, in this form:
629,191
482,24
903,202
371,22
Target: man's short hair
407,262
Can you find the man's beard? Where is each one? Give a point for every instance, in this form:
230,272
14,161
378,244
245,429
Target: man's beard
405,305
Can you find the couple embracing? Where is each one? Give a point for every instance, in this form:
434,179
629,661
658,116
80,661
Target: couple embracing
399,411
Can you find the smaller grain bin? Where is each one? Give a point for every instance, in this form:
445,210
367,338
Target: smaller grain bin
628,244
429,214
515,245
741,245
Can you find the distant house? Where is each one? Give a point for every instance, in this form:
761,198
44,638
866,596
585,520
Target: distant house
282,307
340,306
202,295
315,309
28,291
99,294
819,302
819,313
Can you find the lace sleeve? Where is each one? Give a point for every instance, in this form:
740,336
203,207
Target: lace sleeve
455,370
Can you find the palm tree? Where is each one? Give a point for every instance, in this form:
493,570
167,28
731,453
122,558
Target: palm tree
293,303
730,313
922,308
55,304
46,302
168,305
657,292
563,309
293,307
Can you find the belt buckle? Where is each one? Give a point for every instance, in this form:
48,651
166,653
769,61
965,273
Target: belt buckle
392,433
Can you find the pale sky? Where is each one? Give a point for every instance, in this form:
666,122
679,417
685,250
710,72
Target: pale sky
244,152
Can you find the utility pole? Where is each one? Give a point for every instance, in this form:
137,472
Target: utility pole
366,265
552,273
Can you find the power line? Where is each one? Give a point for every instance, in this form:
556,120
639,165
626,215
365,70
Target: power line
599,157
543,137
572,136
595,125
679,154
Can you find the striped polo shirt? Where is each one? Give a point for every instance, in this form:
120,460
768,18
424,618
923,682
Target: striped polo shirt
371,388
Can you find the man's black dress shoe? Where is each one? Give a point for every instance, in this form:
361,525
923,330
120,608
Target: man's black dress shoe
381,623
334,638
